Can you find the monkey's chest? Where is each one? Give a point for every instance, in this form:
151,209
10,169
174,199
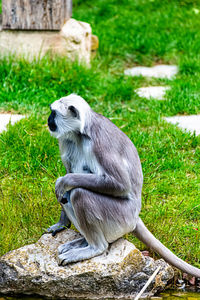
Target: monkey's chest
82,160
82,166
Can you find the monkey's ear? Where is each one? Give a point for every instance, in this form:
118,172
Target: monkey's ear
73,111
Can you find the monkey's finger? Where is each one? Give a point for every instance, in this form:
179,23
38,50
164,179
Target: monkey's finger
58,194
54,232
54,228
62,259
60,197
58,182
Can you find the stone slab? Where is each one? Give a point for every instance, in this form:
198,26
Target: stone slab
72,41
189,123
6,118
152,92
120,272
159,71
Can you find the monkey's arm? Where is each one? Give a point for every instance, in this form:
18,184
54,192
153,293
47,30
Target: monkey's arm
118,185
62,224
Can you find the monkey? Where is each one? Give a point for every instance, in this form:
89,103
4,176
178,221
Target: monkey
101,191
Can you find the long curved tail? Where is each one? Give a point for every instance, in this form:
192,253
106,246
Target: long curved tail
145,236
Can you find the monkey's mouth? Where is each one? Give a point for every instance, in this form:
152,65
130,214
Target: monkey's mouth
52,127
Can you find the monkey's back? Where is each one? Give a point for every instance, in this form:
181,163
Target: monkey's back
119,150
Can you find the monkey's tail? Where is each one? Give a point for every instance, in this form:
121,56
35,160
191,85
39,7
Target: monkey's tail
145,236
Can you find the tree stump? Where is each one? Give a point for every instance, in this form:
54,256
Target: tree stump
35,14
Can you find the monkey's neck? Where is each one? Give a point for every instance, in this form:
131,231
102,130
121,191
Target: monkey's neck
72,149
73,137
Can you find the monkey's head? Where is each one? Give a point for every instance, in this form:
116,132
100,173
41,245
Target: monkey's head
68,115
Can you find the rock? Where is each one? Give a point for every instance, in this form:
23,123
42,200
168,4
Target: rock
160,71
155,92
77,37
6,118
94,42
73,41
120,272
145,253
189,123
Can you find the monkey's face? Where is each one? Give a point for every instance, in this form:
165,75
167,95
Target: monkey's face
64,118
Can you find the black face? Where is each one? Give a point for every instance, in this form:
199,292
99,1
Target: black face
51,121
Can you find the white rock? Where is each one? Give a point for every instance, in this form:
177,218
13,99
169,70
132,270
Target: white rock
120,272
77,36
155,92
189,123
160,71
6,118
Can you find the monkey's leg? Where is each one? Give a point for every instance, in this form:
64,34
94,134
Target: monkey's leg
89,225
77,243
64,221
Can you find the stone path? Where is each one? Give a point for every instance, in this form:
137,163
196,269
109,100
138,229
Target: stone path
160,71
155,92
6,118
189,123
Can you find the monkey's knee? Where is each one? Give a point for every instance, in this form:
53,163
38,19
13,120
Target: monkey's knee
87,210
78,193
79,201
79,198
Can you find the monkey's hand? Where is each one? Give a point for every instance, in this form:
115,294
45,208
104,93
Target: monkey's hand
57,228
62,224
61,188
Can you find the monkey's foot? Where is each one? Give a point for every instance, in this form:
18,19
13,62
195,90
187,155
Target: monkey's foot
57,228
77,243
79,254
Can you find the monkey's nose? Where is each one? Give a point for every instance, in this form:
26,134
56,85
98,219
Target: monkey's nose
51,121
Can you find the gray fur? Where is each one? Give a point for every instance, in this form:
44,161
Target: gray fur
61,225
104,177
144,235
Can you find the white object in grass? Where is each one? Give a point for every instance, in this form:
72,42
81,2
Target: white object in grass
6,118
160,71
155,92
189,123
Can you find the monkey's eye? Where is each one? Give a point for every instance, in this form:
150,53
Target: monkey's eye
73,111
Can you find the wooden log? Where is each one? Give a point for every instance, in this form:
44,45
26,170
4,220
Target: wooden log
35,14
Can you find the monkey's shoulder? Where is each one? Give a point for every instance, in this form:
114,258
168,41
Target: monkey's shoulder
107,137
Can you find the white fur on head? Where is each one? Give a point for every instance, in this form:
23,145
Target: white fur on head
64,120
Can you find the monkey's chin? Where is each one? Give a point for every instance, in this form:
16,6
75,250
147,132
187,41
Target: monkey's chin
55,134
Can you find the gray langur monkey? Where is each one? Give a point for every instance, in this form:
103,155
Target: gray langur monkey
101,192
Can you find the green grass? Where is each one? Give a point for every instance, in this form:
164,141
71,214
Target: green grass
130,33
